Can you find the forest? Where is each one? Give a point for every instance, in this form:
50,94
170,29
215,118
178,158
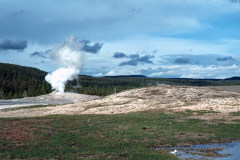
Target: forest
20,81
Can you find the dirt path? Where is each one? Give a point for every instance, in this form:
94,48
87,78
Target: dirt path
170,98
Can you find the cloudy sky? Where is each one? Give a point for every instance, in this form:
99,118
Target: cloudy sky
156,38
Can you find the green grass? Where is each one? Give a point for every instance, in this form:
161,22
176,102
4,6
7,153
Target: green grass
123,136
236,120
235,113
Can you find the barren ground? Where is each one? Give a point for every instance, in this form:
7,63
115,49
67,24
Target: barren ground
168,98
227,88
54,98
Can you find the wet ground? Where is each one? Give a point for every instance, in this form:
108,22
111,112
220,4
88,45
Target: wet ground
218,151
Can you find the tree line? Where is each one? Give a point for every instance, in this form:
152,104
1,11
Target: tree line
19,81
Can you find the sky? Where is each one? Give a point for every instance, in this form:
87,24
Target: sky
155,38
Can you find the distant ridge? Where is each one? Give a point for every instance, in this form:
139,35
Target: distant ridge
233,78
81,75
125,76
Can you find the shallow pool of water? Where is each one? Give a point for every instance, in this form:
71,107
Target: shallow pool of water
218,151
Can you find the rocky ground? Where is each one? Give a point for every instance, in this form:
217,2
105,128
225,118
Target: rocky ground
168,98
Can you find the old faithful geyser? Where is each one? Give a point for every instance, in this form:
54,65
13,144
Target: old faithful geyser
69,58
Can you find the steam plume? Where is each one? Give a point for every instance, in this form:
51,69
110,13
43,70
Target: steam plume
69,57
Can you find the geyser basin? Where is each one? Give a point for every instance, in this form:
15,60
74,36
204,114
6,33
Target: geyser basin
53,98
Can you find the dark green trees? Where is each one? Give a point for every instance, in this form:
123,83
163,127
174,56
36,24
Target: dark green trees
19,81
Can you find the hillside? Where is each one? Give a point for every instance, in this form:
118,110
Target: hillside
19,81
168,98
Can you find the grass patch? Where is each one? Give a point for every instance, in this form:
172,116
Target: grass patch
235,113
236,120
123,136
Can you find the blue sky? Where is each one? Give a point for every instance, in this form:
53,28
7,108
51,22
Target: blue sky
156,38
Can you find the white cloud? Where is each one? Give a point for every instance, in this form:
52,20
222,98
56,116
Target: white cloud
197,71
98,75
201,55
182,71
123,72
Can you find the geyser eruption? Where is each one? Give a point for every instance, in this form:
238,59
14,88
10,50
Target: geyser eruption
69,57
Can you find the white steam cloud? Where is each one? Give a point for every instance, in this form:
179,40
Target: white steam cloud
69,58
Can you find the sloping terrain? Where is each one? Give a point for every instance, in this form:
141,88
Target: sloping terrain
168,98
